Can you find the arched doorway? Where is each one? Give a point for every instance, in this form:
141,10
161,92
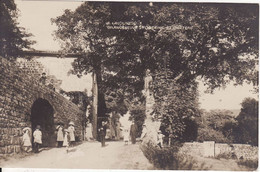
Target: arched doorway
42,114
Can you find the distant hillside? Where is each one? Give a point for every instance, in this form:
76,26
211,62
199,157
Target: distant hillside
234,112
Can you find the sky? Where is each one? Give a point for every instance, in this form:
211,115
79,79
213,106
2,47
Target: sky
35,17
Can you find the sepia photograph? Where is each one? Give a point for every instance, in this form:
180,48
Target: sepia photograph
121,85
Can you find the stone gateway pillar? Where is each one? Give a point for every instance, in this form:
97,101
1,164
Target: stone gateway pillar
152,124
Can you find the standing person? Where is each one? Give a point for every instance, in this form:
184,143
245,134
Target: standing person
160,139
144,132
133,131
102,133
26,140
37,135
71,131
60,135
89,131
126,135
66,140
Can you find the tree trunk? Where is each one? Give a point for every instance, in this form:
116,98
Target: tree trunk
95,104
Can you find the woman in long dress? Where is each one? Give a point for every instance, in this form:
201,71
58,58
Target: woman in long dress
60,135
71,131
89,131
126,135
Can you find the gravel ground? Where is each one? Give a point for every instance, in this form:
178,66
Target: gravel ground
89,155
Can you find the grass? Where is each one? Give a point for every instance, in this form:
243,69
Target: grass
169,158
252,164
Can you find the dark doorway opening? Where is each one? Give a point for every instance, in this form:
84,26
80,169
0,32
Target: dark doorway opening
42,114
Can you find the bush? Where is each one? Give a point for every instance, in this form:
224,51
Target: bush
253,164
229,155
168,158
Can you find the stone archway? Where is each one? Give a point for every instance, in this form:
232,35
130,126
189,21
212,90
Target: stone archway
42,114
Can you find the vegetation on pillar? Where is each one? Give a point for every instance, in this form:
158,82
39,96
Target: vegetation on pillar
176,105
13,38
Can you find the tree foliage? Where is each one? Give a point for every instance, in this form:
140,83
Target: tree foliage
247,128
13,38
215,42
216,125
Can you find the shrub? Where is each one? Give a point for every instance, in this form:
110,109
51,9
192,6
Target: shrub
253,164
229,155
168,158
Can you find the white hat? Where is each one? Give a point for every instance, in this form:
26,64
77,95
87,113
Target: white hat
71,123
27,128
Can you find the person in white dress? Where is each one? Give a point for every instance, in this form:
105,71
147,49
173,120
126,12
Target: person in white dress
126,135
60,135
89,135
37,135
160,139
71,131
26,140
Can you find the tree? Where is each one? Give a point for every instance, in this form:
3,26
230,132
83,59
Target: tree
13,39
215,42
247,128
205,41
217,125
216,119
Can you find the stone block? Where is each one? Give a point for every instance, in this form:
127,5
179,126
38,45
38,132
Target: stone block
10,149
16,140
2,150
2,143
16,132
17,149
5,130
11,140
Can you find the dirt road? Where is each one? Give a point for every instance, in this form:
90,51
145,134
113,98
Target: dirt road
89,155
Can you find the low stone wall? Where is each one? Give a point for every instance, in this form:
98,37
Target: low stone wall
18,92
212,149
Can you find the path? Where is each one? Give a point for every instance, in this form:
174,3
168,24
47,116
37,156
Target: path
115,155
88,155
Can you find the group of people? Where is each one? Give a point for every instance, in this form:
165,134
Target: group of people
130,133
65,137
37,139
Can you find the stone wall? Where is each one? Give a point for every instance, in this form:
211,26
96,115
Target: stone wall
18,91
214,149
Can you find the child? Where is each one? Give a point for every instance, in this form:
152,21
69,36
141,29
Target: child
37,135
160,139
66,140
26,140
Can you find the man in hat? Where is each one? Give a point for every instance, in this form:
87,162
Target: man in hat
71,131
37,135
102,133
